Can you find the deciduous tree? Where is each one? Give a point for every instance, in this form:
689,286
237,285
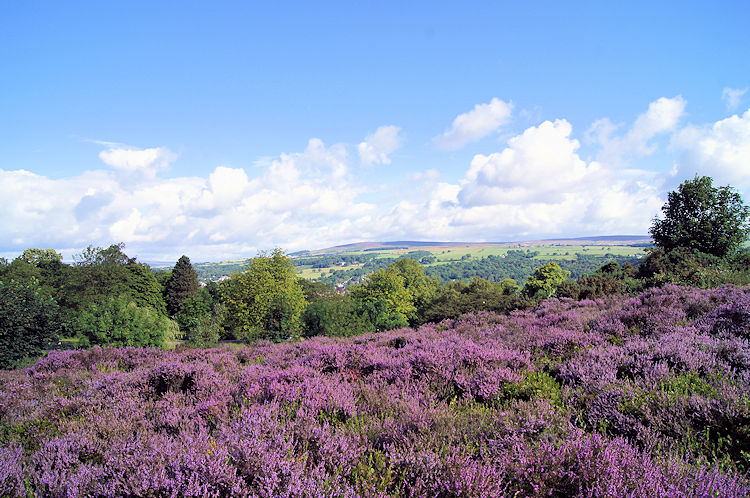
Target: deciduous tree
385,299
267,286
699,216
545,280
29,321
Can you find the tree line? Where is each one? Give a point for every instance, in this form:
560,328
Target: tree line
108,298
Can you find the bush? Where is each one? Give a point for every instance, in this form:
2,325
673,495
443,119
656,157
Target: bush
334,316
119,322
207,331
29,322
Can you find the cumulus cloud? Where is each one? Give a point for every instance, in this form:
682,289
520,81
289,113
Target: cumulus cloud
539,164
475,124
662,116
377,146
732,97
720,150
146,161
538,184
535,186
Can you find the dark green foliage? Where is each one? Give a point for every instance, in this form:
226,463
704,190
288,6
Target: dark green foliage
208,329
545,281
144,289
688,266
334,316
282,322
120,322
29,322
192,310
457,298
43,265
385,300
97,275
182,284
703,218
610,279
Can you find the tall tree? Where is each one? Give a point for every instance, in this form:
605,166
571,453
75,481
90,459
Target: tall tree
702,217
385,299
421,286
120,322
29,321
545,281
98,274
182,284
267,291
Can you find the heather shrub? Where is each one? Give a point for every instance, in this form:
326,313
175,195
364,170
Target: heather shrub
643,396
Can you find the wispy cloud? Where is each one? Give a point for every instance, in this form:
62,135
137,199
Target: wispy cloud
475,124
378,146
662,117
144,161
732,97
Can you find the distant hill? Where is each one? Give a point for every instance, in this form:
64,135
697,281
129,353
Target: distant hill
348,263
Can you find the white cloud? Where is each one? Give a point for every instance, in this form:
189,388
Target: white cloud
732,97
379,145
145,161
475,124
539,184
298,200
662,116
539,164
720,150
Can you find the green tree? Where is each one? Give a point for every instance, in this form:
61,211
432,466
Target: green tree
267,286
43,265
118,321
40,257
335,316
702,217
421,286
385,299
182,284
456,298
545,280
98,274
202,325
102,273
144,289
29,322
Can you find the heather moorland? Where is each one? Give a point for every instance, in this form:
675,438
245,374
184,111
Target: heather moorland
617,396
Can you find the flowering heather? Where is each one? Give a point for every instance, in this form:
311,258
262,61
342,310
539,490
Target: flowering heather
647,396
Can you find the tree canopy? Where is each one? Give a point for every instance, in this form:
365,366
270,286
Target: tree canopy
699,216
29,321
385,299
267,291
545,280
182,284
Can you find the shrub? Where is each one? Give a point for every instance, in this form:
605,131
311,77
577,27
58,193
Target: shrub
119,322
29,322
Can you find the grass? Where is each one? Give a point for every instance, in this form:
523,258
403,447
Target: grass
445,253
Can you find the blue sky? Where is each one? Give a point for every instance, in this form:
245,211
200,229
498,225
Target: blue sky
218,129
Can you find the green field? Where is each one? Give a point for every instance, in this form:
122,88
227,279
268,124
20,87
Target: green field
333,263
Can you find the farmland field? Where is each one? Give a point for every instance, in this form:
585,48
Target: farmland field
312,264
